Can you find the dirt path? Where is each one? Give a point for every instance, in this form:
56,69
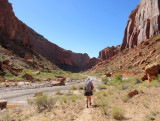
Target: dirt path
85,115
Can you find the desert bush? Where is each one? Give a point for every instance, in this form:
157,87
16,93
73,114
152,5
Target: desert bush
101,86
81,87
64,99
100,94
73,87
5,115
118,113
69,98
151,115
58,92
73,98
146,104
137,81
44,102
158,78
101,101
96,74
69,93
125,98
7,74
124,86
105,80
118,77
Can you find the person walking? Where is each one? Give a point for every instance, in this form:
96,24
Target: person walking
88,90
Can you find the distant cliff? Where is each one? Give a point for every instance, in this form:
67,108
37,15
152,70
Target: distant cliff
21,39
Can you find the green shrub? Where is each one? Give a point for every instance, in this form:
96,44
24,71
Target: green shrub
118,113
105,80
101,86
8,74
158,78
70,98
101,94
69,93
118,77
64,99
44,102
101,101
124,86
125,98
151,115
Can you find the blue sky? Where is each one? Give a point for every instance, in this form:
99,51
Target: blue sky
82,26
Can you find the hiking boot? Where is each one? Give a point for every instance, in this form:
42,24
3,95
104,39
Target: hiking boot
90,103
87,106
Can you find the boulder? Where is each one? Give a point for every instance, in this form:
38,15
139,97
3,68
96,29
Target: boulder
6,62
36,73
152,52
108,74
140,53
133,93
22,83
145,77
153,69
28,77
17,70
28,58
151,77
3,104
11,69
59,81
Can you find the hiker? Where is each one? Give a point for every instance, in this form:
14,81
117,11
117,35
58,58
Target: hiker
88,90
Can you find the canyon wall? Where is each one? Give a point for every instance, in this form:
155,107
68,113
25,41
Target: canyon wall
143,23
22,40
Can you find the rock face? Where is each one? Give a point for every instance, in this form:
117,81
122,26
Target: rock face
133,93
22,40
109,52
143,23
59,81
152,71
93,62
28,77
3,104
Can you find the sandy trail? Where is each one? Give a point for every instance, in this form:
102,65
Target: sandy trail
85,115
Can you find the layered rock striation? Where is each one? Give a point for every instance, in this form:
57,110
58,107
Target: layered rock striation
22,40
143,23
109,52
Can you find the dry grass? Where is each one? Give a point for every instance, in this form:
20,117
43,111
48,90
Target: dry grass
118,113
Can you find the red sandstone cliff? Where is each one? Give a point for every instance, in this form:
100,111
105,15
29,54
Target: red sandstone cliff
143,23
21,39
109,52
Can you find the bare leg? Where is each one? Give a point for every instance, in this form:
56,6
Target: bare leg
90,100
87,101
